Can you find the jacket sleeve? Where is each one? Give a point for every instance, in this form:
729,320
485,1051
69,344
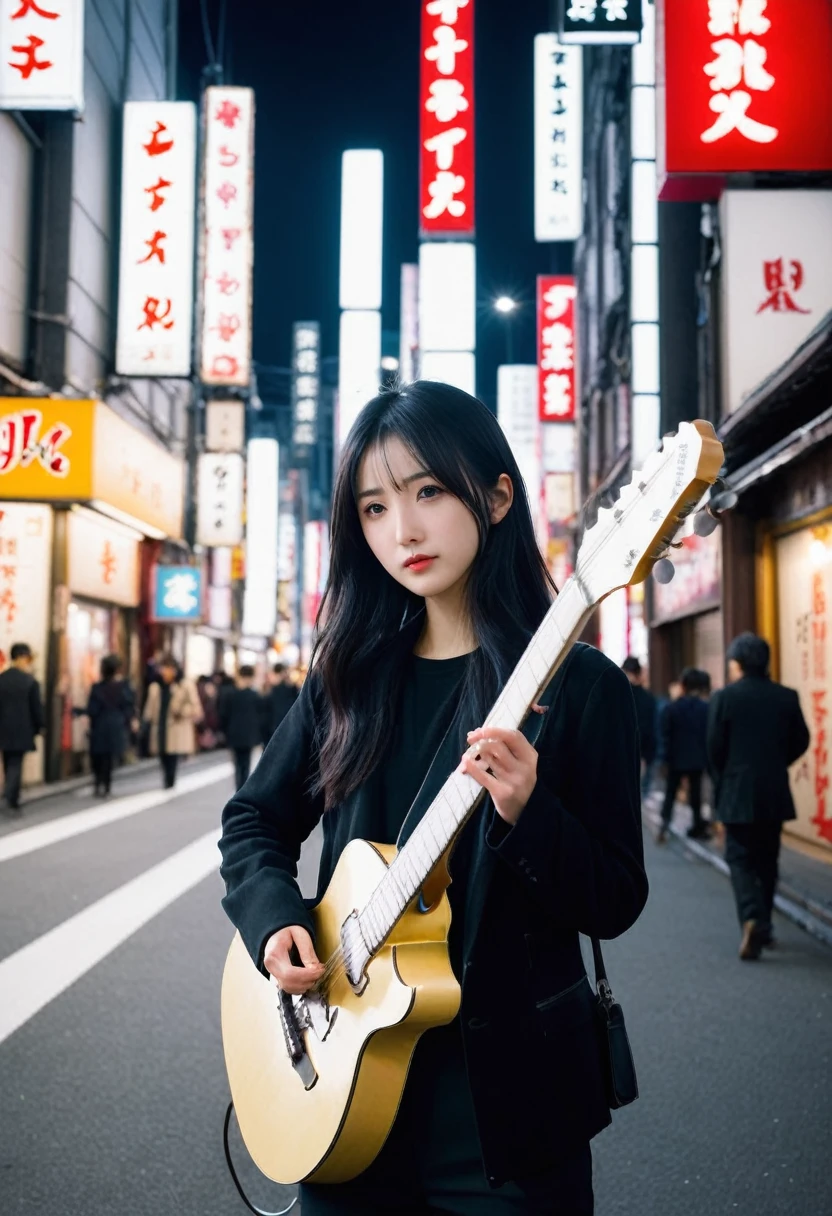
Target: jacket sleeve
263,828
798,739
151,705
585,864
93,704
717,736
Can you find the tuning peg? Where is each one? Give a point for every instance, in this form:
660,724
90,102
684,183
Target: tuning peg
726,500
705,523
664,570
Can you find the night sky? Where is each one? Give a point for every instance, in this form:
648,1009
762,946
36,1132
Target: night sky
344,73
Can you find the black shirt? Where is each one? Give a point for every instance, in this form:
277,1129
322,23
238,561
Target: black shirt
427,705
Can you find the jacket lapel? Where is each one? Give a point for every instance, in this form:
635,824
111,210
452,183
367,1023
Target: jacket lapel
483,858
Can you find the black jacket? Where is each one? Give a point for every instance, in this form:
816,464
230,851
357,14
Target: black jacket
573,863
110,709
21,711
241,717
684,729
755,731
276,705
646,718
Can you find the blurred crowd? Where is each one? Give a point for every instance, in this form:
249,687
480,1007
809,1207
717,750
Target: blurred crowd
178,716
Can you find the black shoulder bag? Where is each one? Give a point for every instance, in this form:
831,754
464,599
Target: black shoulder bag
613,1043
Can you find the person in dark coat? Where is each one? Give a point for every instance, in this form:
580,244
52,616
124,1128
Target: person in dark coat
756,730
436,584
684,729
277,702
111,709
21,718
646,715
241,722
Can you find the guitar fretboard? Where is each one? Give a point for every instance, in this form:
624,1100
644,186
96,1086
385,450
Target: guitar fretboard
460,794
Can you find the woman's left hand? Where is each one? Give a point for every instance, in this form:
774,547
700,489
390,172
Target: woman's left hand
505,764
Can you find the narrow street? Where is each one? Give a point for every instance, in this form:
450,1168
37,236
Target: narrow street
113,1092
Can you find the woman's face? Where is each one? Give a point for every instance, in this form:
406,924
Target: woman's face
420,519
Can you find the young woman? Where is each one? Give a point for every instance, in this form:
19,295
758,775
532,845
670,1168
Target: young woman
435,587
172,709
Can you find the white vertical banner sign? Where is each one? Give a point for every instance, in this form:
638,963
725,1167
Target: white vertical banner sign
25,571
409,323
260,596
156,257
219,499
362,203
558,140
227,236
42,55
225,426
517,414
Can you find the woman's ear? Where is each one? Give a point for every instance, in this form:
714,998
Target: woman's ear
502,496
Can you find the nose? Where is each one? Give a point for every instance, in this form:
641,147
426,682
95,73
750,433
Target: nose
409,532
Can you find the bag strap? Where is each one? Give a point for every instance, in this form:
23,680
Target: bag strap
549,698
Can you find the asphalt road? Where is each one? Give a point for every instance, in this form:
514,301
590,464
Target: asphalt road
112,1087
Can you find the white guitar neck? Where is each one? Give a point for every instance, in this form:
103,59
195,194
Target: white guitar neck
460,794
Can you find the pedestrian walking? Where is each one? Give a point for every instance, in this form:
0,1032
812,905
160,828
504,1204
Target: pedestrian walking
111,709
241,719
436,585
278,700
646,715
684,728
208,726
172,709
756,730
21,718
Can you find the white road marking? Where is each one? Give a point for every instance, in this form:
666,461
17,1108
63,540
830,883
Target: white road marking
36,974
43,834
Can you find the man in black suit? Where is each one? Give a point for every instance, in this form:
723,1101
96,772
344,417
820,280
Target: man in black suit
277,702
684,725
240,720
646,715
21,718
756,730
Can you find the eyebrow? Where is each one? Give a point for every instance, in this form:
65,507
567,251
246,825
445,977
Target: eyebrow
406,482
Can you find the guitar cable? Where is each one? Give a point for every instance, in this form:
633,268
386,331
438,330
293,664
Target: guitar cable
236,1180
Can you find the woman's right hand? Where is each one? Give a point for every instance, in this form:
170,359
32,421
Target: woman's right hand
278,960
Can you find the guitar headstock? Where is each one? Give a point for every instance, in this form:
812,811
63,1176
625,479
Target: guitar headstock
630,536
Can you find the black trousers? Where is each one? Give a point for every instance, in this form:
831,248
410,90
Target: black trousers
170,761
13,772
674,780
102,769
242,765
752,851
431,1161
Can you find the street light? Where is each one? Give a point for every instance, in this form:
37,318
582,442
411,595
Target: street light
506,307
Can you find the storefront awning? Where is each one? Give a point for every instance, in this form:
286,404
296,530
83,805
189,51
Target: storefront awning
796,396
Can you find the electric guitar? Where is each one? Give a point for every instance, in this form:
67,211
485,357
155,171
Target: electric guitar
317,1080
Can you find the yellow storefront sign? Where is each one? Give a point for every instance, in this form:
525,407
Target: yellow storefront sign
55,450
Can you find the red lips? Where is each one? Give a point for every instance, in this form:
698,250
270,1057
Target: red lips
418,561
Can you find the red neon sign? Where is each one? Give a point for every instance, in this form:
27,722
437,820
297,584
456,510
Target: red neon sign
556,320
743,86
446,126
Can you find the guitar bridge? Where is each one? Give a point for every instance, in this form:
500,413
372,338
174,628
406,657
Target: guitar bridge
293,1039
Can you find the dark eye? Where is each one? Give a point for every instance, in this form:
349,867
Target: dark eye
429,491
374,509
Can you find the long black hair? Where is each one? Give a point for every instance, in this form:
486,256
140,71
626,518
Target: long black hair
363,639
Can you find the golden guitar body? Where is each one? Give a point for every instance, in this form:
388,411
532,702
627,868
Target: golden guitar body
331,1131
